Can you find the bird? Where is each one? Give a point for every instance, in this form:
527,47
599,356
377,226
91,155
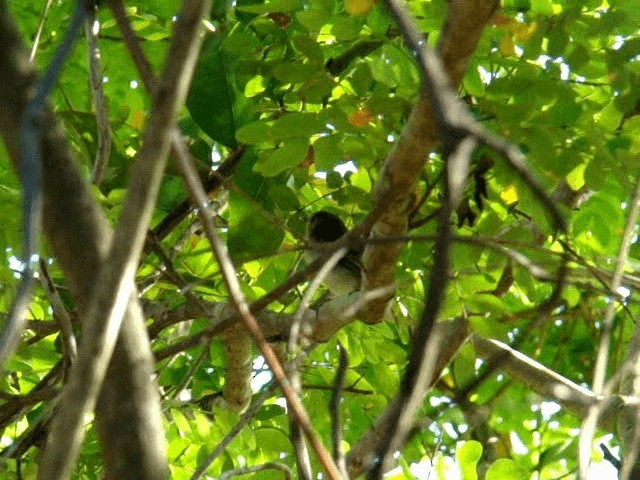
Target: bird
323,229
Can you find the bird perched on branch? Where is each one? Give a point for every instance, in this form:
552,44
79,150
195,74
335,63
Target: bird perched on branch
323,229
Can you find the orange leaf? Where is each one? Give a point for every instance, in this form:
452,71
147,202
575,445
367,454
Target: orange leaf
361,118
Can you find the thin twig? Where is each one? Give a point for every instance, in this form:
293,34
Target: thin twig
16,405
244,420
425,347
237,428
216,178
600,368
334,410
169,270
257,306
303,461
92,29
452,116
459,134
296,323
36,40
60,314
133,44
218,326
237,299
193,368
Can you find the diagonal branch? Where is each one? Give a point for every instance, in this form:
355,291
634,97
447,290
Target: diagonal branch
630,437
451,334
116,278
128,411
242,308
91,29
31,131
396,184
425,347
437,112
216,178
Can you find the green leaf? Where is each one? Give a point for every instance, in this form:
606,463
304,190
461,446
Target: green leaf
295,125
361,179
260,131
309,48
579,56
392,66
270,6
566,109
272,440
558,41
268,412
610,117
632,127
468,454
489,328
334,180
327,152
246,216
572,295
485,303
240,42
505,468
543,7
386,380
473,83
345,28
290,155
180,421
314,17
283,197
464,366
290,72
211,97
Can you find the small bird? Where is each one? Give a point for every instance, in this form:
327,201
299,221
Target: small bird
325,228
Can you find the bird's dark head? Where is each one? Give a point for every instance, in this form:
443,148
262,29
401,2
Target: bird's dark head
326,227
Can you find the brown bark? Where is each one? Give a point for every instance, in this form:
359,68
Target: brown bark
395,189
128,408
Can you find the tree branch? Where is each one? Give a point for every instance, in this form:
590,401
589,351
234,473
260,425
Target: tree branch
396,184
116,279
242,308
31,131
128,412
91,29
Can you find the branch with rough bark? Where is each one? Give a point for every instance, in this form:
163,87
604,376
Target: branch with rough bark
78,232
237,390
396,185
115,281
540,379
392,203
128,411
241,307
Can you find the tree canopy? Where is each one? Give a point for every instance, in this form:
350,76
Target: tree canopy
484,156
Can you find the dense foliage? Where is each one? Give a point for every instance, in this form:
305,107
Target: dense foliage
318,92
